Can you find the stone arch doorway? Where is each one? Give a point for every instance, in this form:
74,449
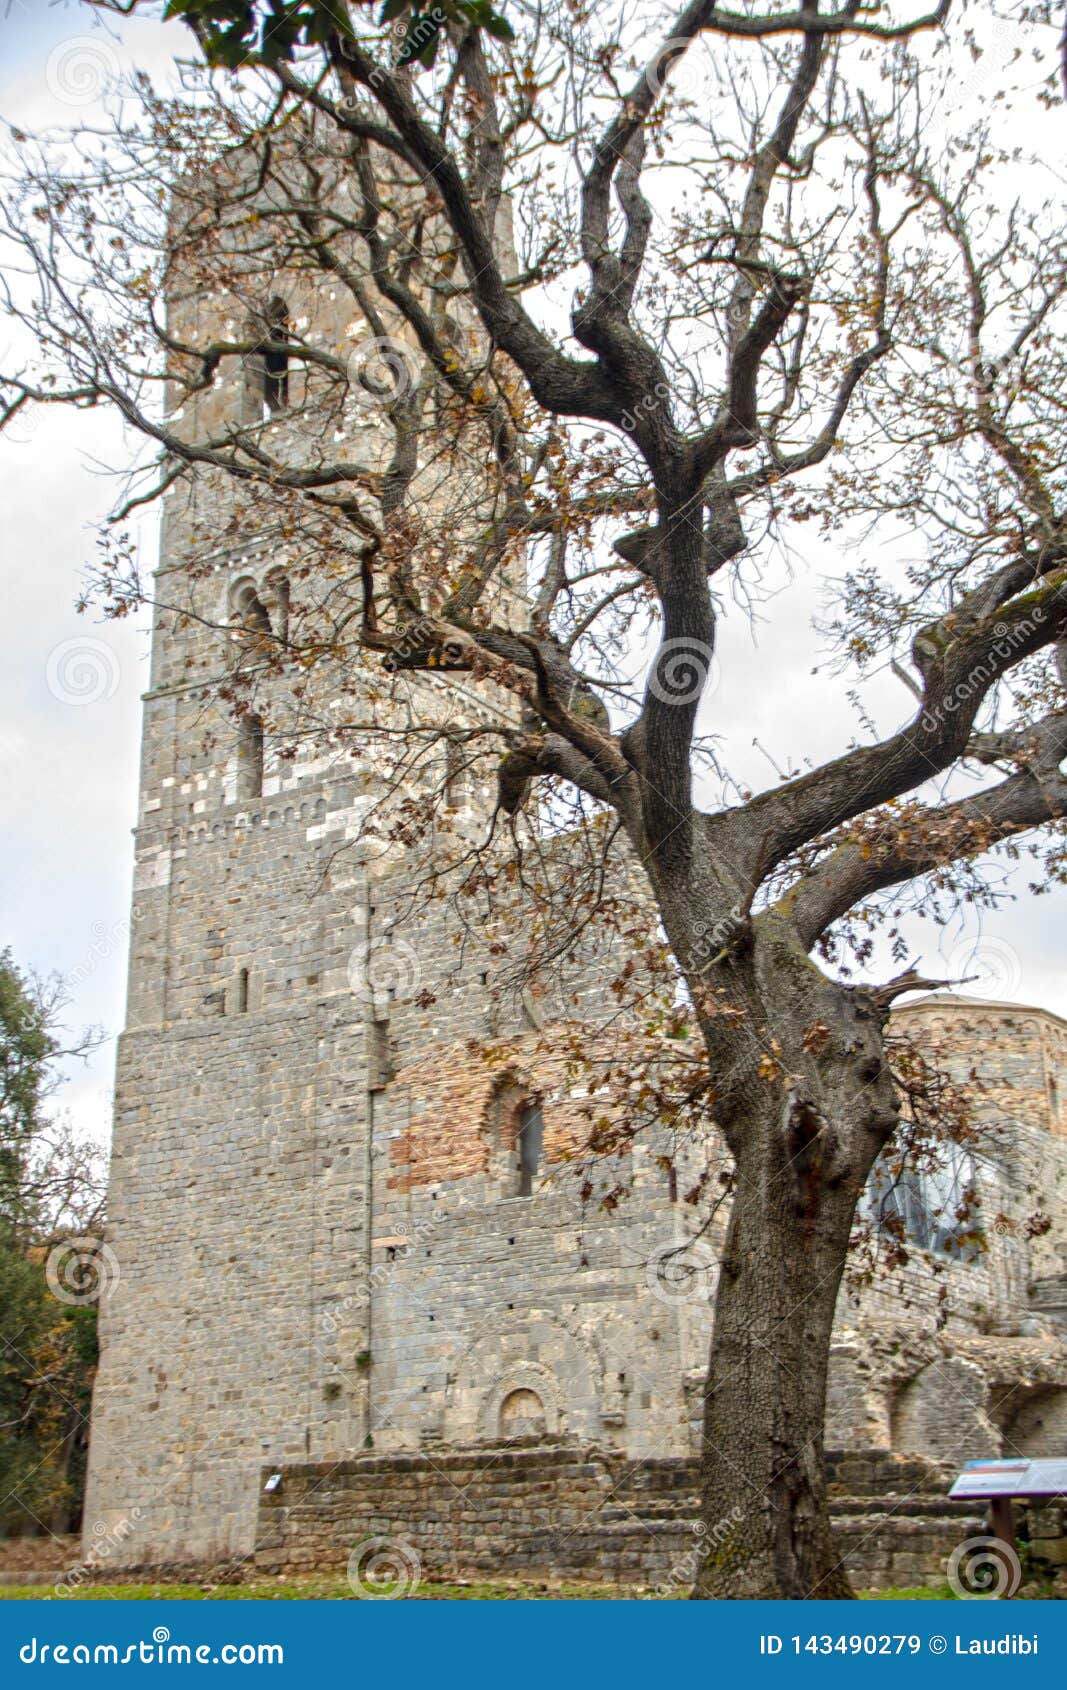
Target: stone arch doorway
522,1415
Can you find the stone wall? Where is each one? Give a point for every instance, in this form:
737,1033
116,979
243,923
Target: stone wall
1017,1055
319,1237
572,1511
1045,1530
266,1175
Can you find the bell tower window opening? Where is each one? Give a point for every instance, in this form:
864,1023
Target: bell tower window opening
530,1143
268,368
275,381
250,610
250,757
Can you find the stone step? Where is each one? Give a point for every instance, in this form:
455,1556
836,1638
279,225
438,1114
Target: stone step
667,1486
871,1474
913,1503
846,1477
903,1525
683,1503
600,1528
685,1511
945,1515
878,1549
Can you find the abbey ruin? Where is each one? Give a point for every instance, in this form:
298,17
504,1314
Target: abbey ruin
339,1233
364,1287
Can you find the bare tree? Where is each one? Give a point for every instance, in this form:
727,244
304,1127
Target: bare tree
787,303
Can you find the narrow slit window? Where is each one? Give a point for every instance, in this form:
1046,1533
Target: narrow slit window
250,758
530,1144
242,992
276,359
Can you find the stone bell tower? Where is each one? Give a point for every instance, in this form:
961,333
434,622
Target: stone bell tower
257,1031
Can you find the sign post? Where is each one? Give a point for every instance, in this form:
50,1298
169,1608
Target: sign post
1002,1518
999,1482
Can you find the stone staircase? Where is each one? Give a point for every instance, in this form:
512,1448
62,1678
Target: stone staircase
568,1511
894,1523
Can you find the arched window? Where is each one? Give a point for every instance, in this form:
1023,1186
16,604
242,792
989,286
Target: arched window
249,609
522,1415
275,358
529,1145
267,369
250,757
514,1128
933,1207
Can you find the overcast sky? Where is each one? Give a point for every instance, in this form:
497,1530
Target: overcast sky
70,686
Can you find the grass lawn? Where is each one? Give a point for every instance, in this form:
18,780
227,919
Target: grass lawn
337,1588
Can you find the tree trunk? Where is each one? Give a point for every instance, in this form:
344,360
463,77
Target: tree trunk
767,1531
806,1101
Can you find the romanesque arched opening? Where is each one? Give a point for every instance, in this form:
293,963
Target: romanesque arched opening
522,1415
529,1144
247,610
